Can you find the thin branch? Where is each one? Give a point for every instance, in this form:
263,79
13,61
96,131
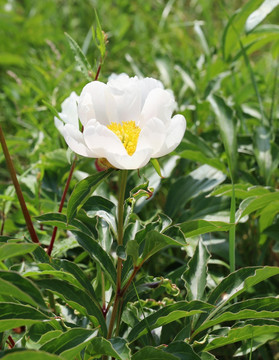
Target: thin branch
11,169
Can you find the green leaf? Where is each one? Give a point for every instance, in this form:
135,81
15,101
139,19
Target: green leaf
249,309
132,249
80,58
238,282
155,241
244,331
76,298
207,356
242,191
252,204
20,288
8,250
70,343
262,149
52,109
16,315
115,347
21,354
198,227
235,27
98,254
196,274
151,353
182,350
260,14
102,207
167,315
83,190
157,167
79,275
199,181
100,37
227,128
60,220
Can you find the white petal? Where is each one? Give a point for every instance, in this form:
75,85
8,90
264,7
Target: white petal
148,84
101,140
96,102
69,112
59,125
175,132
160,104
152,135
136,161
74,139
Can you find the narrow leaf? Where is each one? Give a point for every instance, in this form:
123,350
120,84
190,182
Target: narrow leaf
83,190
8,250
167,315
80,58
227,128
198,227
251,330
196,274
13,284
15,315
70,343
260,14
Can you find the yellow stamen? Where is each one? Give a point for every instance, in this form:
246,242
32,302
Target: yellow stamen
128,132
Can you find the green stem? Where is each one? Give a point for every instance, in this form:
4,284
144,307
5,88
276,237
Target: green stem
232,232
21,200
120,230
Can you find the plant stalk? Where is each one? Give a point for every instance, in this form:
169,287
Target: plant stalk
120,230
12,171
50,248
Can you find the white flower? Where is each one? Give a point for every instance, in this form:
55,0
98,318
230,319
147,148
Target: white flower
126,121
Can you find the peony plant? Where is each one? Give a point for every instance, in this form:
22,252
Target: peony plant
126,122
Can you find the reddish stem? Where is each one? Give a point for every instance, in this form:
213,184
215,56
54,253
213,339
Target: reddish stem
10,342
12,171
50,248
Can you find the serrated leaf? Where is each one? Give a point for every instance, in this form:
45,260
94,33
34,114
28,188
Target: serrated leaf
167,315
80,58
83,190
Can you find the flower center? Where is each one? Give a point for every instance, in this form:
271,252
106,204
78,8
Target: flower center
128,132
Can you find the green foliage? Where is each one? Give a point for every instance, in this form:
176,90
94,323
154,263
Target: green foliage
218,190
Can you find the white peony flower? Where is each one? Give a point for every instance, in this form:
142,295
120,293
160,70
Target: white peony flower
126,121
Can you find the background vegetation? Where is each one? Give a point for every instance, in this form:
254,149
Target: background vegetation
223,68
